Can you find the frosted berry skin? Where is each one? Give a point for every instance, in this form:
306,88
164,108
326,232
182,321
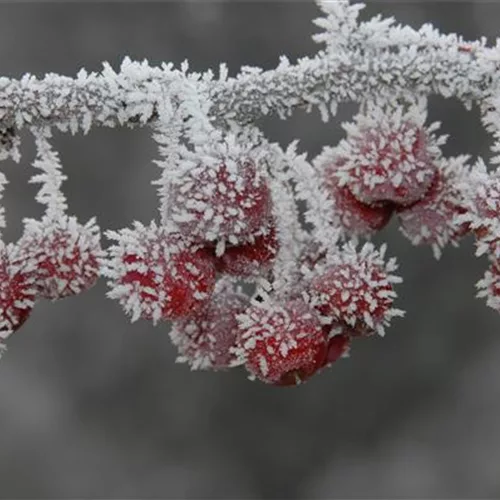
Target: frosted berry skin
252,258
356,289
155,274
281,344
355,217
434,220
17,289
389,156
394,167
205,341
67,253
228,200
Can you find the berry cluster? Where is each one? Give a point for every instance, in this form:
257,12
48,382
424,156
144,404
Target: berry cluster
348,295
231,202
220,224
221,229
225,219
389,163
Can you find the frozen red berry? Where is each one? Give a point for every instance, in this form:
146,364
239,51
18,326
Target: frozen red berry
156,274
389,155
433,220
251,258
357,288
355,217
226,199
281,344
68,254
17,289
205,340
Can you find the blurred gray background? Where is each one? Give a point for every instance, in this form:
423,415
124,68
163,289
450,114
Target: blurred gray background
92,406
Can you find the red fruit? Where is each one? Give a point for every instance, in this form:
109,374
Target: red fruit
434,219
227,200
388,157
252,258
67,253
355,217
155,274
205,341
17,289
357,289
281,344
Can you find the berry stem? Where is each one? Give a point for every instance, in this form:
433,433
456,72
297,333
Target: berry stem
47,160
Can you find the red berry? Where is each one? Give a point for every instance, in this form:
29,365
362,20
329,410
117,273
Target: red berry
355,217
433,220
388,157
67,253
357,289
252,258
281,344
205,341
155,274
17,289
227,200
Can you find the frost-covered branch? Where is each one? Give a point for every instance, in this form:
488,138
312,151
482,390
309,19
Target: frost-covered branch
375,58
235,208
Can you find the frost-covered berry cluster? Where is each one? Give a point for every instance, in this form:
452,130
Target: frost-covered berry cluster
258,259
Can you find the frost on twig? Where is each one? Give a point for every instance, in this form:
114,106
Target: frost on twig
371,58
51,178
